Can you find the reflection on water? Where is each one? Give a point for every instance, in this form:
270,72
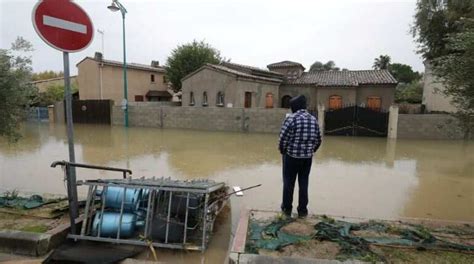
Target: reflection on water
361,177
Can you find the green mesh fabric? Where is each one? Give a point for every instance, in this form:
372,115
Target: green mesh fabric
269,236
264,235
17,202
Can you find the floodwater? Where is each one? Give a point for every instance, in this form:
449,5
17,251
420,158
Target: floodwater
351,176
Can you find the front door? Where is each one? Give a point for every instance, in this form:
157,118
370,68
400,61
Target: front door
248,100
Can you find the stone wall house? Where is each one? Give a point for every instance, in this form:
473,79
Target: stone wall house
284,80
335,89
231,85
99,78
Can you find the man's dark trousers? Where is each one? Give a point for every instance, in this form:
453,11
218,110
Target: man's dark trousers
292,168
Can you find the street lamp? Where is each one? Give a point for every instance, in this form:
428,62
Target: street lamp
114,7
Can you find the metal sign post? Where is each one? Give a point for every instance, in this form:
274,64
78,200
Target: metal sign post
71,183
65,26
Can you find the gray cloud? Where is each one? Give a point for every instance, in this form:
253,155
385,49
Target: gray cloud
259,32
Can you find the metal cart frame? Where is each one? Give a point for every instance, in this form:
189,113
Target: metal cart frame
155,187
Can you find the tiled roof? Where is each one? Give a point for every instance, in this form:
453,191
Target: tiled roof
241,73
250,69
130,65
345,78
283,64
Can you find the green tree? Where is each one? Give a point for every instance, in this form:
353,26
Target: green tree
434,20
404,73
16,92
319,66
409,92
46,75
456,72
54,93
187,58
382,62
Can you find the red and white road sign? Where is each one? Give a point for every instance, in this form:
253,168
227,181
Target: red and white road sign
63,25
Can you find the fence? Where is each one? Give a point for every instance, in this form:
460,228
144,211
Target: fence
203,118
37,114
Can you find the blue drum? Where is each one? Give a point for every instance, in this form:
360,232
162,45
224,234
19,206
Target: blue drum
109,223
114,195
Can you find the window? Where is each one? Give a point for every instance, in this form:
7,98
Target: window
374,103
248,100
152,78
285,101
191,98
220,99
165,80
204,99
335,102
269,100
139,98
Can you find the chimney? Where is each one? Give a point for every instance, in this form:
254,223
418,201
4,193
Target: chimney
155,64
98,56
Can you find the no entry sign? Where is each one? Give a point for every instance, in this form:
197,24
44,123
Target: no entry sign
63,25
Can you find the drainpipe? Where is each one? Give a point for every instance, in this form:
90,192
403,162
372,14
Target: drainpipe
101,65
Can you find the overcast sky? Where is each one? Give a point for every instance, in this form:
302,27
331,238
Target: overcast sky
253,32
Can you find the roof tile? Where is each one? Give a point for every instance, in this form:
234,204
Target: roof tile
345,78
286,63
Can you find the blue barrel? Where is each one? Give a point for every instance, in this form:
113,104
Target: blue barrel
114,196
110,223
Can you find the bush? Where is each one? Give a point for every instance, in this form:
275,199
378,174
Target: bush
409,93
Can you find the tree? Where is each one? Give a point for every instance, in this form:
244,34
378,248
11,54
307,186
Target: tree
409,92
319,66
456,72
434,20
187,58
403,73
16,92
46,75
382,62
54,93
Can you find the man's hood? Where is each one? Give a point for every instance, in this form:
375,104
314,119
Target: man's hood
298,103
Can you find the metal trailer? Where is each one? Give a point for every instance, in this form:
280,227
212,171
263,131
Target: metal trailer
196,220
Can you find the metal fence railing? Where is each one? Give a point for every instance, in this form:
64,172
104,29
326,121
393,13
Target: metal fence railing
38,113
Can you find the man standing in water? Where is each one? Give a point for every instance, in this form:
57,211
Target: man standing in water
299,139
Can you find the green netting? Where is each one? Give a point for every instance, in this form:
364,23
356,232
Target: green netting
14,201
269,236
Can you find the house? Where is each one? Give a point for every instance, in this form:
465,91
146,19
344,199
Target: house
231,85
99,78
236,85
433,98
43,85
335,89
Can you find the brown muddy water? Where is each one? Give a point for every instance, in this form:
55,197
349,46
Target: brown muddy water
351,176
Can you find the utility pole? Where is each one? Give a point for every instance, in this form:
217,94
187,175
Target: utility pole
101,64
102,32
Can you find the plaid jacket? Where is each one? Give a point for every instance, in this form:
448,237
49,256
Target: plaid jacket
300,136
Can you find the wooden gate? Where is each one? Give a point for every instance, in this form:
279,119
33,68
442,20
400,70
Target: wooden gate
91,111
356,121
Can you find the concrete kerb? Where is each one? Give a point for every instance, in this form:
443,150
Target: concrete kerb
33,244
24,243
